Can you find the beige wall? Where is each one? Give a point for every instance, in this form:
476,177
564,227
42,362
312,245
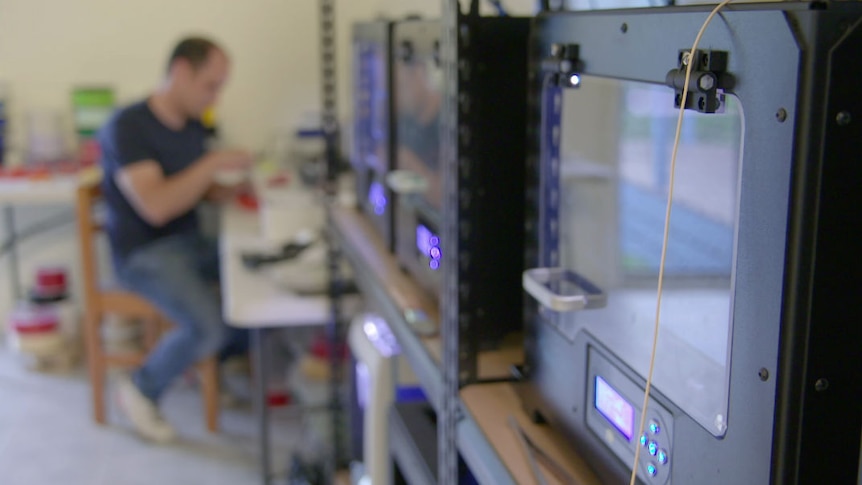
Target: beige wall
49,46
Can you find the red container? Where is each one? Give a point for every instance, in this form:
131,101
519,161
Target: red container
51,281
321,348
278,398
31,321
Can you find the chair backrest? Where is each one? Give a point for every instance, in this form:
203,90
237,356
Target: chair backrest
88,195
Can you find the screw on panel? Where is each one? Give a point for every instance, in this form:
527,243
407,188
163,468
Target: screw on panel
781,115
821,385
720,424
706,82
763,374
686,57
843,118
624,28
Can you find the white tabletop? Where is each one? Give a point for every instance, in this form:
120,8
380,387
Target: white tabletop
254,299
57,189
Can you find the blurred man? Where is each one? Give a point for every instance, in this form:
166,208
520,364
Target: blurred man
156,172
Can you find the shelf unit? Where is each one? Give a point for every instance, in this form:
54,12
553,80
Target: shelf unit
472,418
484,442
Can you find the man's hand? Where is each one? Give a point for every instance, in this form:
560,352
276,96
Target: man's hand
221,193
230,159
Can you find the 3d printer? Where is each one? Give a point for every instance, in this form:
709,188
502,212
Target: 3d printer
493,118
756,371
371,151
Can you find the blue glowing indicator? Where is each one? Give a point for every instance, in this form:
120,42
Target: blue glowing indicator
428,245
652,470
662,457
654,428
377,198
643,440
653,448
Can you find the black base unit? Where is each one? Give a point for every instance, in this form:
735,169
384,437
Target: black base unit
756,374
413,445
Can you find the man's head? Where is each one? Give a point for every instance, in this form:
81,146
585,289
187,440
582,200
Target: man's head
197,70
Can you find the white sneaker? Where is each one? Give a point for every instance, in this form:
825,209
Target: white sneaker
143,413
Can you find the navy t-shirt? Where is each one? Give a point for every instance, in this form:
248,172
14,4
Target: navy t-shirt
134,134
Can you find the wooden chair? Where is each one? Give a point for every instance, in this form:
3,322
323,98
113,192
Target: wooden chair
100,301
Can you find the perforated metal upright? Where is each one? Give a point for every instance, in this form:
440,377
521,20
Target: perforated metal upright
336,327
447,418
450,139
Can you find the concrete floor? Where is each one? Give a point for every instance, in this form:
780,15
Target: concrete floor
47,437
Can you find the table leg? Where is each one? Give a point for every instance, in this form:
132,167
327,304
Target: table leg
261,401
14,275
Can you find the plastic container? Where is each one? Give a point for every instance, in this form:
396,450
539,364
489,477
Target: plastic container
45,140
65,308
36,330
92,107
51,281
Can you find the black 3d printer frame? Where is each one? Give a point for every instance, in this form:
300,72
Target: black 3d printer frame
795,403
491,89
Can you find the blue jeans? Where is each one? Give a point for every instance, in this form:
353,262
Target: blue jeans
179,275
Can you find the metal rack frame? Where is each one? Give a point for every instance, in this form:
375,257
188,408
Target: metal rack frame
336,329
457,430
450,145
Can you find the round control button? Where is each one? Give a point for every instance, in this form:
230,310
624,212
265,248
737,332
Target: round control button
644,440
654,427
653,448
662,457
652,470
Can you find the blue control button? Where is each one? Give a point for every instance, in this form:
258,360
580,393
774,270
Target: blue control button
653,448
652,470
644,439
654,427
662,457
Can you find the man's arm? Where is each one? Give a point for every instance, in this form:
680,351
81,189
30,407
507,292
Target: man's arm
159,199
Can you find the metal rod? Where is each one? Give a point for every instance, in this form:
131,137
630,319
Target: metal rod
13,238
261,402
528,452
549,462
329,120
450,300
14,270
